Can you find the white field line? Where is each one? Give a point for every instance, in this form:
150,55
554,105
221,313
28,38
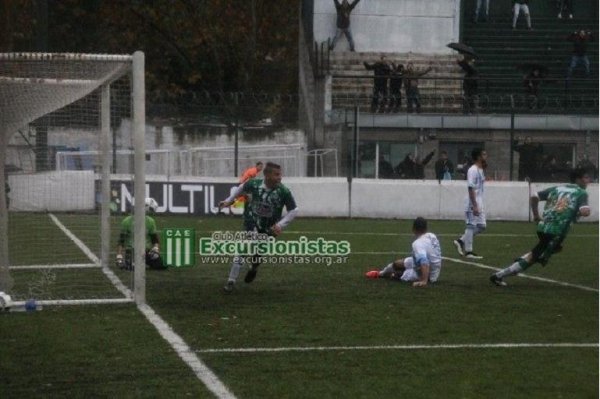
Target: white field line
107,272
56,266
370,233
204,374
65,302
399,347
202,371
546,280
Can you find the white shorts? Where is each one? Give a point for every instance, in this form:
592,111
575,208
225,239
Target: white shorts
411,274
475,220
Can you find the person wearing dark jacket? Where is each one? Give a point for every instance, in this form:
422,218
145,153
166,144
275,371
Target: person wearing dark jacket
420,165
444,167
528,159
343,10
381,70
567,7
531,83
397,72
579,57
411,86
470,84
407,168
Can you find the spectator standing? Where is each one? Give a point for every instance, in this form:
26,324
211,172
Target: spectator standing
580,41
444,167
531,83
407,168
397,72
411,86
478,8
567,7
343,10
381,70
420,165
386,170
518,6
470,84
528,155
588,166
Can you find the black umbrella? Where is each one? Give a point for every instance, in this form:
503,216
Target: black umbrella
462,48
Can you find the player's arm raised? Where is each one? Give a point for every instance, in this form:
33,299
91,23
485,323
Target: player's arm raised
239,190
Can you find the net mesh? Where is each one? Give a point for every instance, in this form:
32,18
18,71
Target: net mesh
49,103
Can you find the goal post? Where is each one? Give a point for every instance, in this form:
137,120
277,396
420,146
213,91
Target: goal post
62,100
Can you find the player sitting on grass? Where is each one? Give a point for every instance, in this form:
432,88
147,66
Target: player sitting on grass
266,199
425,264
153,259
563,205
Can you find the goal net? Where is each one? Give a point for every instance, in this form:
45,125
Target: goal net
58,238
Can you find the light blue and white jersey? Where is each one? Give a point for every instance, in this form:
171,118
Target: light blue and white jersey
426,250
475,180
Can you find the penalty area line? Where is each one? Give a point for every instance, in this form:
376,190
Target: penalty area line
400,347
523,275
185,353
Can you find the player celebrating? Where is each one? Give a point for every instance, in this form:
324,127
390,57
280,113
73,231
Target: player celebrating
425,264
153,259
266,199
563,205
475,213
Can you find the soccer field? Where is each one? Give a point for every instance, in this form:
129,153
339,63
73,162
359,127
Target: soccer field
317,331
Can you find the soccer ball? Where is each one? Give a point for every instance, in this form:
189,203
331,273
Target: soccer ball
5,302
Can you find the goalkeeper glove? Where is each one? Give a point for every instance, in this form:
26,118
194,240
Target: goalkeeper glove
154,253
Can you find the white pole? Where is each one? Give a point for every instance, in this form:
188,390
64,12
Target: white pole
6,281
105,184
139,122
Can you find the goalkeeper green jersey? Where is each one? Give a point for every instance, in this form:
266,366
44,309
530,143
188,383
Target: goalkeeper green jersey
561,209
264,206
126,239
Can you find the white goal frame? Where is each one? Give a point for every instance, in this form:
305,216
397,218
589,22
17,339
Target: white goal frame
135,63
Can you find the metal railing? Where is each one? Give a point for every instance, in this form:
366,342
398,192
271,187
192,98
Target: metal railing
494,94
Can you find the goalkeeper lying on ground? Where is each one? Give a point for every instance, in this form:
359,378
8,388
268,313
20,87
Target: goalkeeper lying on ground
125,248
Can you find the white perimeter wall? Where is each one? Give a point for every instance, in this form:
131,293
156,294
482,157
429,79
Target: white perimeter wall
316,197
393,26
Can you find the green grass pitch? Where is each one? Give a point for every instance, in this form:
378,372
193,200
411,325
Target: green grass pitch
112,351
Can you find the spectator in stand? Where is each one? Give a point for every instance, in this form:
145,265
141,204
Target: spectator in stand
397,72
420,165
567,7
580,42
550,169
343,10
478,7
589,167
528,155
443,167
411,86
386,170
518,6
381,70
531,83
463,167
407,168
470,84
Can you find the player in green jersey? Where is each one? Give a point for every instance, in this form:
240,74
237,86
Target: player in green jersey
564,204
125,248
266,199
